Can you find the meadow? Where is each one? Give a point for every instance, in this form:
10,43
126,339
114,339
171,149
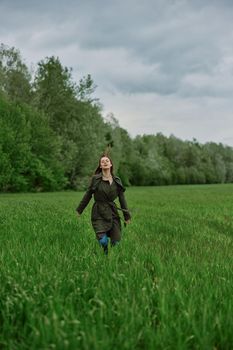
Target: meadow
168,285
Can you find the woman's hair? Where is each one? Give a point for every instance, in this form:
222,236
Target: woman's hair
98,169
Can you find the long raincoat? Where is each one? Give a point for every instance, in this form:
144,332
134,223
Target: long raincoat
104,210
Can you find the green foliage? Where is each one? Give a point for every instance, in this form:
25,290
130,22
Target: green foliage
159,160
54,92
77,122
53,133
15,79
149,155
88,134
85,89
28,150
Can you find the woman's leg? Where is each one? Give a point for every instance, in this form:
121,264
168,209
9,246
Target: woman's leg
103,241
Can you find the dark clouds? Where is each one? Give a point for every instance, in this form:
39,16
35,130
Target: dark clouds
179,38
174,51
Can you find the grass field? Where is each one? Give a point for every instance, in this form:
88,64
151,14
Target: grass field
168,285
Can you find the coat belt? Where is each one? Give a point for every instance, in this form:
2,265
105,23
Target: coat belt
112,204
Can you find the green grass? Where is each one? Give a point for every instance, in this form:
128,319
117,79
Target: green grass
168,285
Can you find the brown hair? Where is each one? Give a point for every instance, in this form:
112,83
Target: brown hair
98,169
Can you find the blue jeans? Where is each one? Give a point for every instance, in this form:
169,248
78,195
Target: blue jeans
103,240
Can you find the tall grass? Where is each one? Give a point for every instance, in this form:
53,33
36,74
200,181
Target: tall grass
168,285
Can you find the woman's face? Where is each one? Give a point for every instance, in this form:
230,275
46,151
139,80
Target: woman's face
105,163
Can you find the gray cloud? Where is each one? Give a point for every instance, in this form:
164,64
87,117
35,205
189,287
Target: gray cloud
173,50
178,36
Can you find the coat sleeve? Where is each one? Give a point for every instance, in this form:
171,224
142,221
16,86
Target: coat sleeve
123,204
86,199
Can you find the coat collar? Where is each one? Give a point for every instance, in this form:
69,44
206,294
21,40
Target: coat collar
98,176
116,178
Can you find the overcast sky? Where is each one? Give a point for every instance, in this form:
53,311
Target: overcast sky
160,65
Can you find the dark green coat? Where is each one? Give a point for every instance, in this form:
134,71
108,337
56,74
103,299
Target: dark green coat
104,210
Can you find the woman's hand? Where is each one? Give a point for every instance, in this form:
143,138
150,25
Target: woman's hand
127,222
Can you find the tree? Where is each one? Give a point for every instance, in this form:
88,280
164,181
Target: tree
54,92
29,150
78,122
15,79
85,90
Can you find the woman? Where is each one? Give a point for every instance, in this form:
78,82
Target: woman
106,187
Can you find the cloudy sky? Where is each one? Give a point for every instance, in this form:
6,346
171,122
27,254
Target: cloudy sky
160,65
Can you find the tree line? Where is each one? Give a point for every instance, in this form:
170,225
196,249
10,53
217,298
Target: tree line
52,133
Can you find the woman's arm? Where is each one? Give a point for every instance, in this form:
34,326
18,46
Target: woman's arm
123,204
85,200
